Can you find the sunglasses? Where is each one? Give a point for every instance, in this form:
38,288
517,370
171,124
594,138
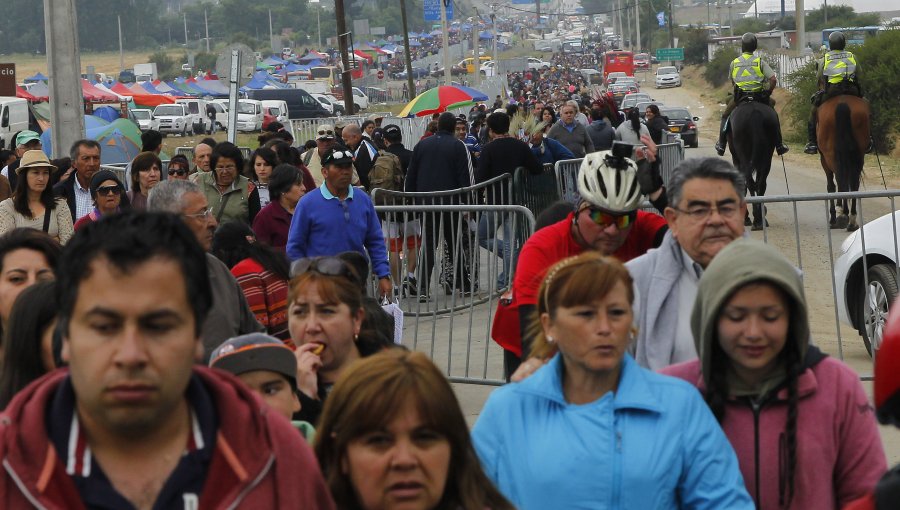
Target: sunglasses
328,266
177,171
605,219
337,155
328,132
109,190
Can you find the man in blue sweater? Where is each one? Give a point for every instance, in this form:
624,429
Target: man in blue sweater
335,217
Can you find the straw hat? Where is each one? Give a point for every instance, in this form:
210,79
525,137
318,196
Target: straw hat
35,159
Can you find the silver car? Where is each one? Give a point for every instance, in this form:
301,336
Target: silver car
667,76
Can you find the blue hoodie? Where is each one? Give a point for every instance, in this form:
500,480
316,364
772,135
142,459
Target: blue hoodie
653,444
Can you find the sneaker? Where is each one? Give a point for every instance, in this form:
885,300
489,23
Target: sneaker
720,148
781,149
811,148
410,286
423,298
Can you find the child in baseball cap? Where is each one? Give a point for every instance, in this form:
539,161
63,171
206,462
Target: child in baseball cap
268,367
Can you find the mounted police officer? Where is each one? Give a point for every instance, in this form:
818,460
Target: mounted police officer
750,75
836,73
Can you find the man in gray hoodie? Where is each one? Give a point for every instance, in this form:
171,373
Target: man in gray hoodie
601,131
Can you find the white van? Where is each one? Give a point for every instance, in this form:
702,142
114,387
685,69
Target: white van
276,108
13,118
197,110
249,115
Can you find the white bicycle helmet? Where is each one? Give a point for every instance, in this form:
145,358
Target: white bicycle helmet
602,184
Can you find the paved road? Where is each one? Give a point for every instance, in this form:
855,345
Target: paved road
809,230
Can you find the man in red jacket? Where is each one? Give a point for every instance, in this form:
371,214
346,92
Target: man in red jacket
133,422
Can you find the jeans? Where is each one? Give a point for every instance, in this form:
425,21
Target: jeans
488,225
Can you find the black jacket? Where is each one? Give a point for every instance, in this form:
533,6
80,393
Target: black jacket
67,190
440,162
501,156
656,126
403,153
364,161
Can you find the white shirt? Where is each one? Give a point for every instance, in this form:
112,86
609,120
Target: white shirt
84,204
684,349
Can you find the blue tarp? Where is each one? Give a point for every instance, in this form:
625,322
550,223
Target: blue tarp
485,35
107,113
36,78
260,80
413,43
274,61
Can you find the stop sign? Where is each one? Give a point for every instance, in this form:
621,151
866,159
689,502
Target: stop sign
380,75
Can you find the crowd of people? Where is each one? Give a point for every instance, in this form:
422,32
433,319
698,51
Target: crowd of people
207,334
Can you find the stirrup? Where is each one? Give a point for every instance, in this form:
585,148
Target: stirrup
720,148
782,149
811,148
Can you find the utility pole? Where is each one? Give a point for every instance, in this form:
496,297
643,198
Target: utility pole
800,16
445,40
206,23
64,66
475,36
637,24
494,49
270,31
410,83
346,84
671,24
730,19
185,29
318,19
121,52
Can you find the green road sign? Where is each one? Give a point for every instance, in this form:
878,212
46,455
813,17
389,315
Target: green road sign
669,54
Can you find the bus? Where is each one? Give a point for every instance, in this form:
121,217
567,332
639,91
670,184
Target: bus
618,61
331,74
854,35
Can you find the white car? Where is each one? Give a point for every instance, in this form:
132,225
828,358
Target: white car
667,76
360,99
865,307
326,103
174,119
146,120
536,63
489,68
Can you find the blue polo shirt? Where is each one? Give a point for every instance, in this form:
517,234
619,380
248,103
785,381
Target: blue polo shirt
324,225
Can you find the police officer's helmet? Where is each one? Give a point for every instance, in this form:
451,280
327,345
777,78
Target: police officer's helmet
837,41
748,43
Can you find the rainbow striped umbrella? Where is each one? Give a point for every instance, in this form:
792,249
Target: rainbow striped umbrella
441,99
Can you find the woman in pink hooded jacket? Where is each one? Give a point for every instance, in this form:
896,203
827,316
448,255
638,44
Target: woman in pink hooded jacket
801,424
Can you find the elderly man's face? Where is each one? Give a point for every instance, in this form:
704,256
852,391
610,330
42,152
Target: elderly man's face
709,216
351,139
568,114
324,144
201,156
87,162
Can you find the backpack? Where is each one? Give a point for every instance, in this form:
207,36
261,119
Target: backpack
386,173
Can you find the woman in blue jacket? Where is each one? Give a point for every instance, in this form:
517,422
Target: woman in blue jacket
592,429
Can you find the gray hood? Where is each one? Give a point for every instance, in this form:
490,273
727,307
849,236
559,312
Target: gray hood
741,262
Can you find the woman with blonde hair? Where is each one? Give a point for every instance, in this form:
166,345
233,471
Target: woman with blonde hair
591,428
393,433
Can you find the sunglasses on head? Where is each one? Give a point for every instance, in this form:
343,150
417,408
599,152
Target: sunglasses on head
328,266
326,132
338,155
605,219
109,190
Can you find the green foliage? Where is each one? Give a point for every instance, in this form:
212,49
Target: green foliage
839,16
716,72
166,66
803,85
879,61
752,25
205,61
694,41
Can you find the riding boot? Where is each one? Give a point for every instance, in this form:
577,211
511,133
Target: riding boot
780,147
720,144
811,146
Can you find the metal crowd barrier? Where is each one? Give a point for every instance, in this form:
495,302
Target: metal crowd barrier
536,192
453,323
119,170
670,155
188,152
799,226
566,174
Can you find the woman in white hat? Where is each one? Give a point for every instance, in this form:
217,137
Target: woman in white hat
33,204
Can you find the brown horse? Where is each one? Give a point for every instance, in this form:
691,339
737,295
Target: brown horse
843,134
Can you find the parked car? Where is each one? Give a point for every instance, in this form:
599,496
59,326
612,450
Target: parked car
275,110
174,119
618,92
630,100
300,104
145,119
489,68
417,72
633,85
360,100
337,104
865,291
377,95
642,61
667,76
326,103
221,108
249,115
683,123
197,109
536,63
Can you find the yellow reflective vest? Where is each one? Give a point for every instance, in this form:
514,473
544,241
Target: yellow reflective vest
838,66
747,73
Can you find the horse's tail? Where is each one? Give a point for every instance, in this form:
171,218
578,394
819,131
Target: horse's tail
763,125
847,152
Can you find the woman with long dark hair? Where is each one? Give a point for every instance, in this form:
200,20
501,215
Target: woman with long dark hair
146,172
261,271
259,170
632,129
33,204
800,422
28,351
273,222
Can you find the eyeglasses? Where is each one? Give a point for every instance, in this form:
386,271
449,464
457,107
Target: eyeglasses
205,215
328,266
229,168
177,171
702,212
326,132
115,189
605,219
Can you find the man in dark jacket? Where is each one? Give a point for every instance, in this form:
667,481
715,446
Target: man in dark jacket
75,189
133,422
393,139
364,152
601,132
439,163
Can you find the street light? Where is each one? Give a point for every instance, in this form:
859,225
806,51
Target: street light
318,19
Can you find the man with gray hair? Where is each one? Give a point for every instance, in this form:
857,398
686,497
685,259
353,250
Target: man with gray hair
706,212
230,315
571,133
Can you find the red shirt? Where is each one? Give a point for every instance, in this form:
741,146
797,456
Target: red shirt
548,246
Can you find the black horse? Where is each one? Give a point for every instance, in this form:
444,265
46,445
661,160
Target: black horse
751,139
